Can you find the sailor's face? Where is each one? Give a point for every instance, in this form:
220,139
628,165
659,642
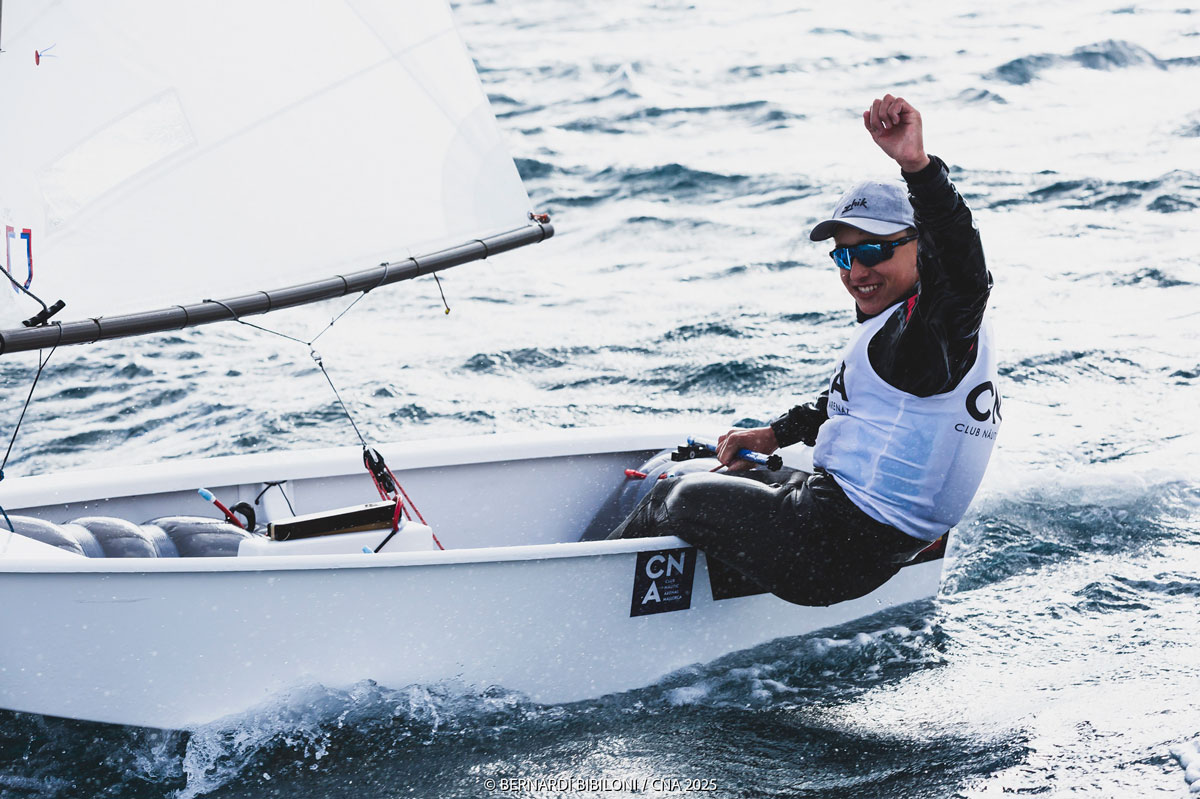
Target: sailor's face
877,287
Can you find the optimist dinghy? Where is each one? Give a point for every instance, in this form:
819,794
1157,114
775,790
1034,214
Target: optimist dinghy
514,599
277,157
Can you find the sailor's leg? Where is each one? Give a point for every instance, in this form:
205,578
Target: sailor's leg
802,540
742,523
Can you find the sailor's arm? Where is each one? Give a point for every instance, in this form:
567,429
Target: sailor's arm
954,252
801,423
931,344
953,257
798,424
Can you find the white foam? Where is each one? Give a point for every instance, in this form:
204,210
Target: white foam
689,694
1188,755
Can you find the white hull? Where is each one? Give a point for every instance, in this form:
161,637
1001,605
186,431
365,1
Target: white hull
175,642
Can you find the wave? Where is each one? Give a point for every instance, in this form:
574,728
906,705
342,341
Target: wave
754,112
680,223
1172,192
524,358
980,96
701,329
1188,756
818,317
729,376
1045,365
1186,374
674,180
670,182
1106,55
868,37
1059,520
843,660
531,168
1148,276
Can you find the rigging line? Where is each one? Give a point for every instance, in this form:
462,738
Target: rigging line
334,320
20,287
317,357
276,484
308,343
41,365
239,320
439,284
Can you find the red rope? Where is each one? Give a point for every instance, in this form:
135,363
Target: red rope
405,493
382,494
402,505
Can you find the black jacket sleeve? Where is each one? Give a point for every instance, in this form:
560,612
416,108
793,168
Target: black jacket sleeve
928,345
801,423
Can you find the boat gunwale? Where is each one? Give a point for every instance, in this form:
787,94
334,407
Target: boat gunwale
304,464
357,560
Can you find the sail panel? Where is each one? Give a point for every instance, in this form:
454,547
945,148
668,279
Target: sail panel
166,153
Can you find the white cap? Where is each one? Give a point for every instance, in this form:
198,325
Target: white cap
873,206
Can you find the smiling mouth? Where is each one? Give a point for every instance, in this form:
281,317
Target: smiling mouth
865,290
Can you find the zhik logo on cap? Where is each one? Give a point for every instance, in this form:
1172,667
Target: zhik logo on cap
877,207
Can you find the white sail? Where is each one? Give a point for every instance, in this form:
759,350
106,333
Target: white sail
157,153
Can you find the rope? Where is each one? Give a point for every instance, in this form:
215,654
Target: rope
276,484
439,285
21,287
345,311
41,365
316,356
242,321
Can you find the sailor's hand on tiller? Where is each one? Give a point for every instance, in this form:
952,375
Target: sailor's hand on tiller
896,128
757,439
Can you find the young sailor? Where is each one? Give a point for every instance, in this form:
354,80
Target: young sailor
905,429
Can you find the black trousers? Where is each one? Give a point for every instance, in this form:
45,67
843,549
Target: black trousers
799,536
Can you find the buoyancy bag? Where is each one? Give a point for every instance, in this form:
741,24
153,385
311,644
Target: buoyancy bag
124,539
200,536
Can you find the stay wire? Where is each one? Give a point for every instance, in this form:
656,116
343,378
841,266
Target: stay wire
13,440
335,319
316,356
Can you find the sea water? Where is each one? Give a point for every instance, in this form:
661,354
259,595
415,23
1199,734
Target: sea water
684,149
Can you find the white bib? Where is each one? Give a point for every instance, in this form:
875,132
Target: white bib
912,462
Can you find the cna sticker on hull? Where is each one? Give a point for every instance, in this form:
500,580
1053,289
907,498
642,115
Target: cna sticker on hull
662,581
